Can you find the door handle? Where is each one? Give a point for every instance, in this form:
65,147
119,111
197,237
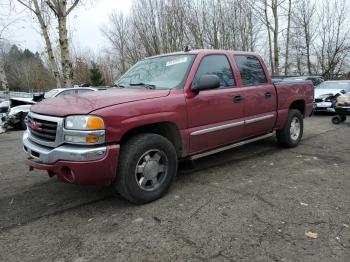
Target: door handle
237,99
268,94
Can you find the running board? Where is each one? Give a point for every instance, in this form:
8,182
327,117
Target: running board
218,150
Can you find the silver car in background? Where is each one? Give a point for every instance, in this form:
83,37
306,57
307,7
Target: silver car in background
17,114
326,94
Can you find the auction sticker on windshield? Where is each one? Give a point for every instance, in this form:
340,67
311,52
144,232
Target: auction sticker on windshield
176,61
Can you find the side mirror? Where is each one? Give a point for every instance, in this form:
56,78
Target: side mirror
206,82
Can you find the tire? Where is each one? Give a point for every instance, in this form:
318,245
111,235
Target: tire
343,118
287,137
336,120
147,167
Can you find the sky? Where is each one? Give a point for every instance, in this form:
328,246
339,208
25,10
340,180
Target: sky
84,22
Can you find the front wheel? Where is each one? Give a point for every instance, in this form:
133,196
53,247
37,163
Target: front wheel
292,132
147,168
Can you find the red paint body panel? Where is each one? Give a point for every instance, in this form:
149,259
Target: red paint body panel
126,109
289,93
100,172
87,102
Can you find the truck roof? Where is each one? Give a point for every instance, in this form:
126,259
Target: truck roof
207,51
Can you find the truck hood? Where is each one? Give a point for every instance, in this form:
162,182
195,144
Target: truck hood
87,102
321,92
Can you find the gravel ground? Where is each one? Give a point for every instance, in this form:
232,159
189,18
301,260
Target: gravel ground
253,203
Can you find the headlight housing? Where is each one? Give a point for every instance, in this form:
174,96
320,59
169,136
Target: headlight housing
84,130
84,123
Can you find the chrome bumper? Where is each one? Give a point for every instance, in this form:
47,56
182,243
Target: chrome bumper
49,155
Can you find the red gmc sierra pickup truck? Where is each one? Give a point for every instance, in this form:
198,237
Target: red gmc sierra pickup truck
183,105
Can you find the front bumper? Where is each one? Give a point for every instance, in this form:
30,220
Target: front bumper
324,107
74,164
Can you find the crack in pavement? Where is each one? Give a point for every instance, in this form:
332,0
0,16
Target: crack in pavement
57,212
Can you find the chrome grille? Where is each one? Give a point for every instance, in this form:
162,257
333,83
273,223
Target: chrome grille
45,130
42,129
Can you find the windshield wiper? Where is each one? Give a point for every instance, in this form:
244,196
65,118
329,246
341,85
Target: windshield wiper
118,85
148,86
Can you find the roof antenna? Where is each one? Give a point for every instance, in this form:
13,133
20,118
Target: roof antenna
187,48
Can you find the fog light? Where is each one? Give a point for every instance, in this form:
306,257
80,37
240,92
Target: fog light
83,139
75,139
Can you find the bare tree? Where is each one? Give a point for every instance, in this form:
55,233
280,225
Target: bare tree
303,20
39,9
3,80
61,9
5,23
269,29
279,29
289,15
334,30
119,36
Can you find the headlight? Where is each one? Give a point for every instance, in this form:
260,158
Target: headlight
84,130
84,123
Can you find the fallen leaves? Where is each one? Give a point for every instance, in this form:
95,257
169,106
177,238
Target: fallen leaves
312,235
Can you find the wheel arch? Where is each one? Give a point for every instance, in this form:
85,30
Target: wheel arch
298,105
169,130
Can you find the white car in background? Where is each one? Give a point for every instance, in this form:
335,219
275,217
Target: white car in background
16,116
326,94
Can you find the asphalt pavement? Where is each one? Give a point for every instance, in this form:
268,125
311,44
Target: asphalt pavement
259,202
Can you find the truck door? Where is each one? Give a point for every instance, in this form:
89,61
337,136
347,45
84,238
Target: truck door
215,117
259,96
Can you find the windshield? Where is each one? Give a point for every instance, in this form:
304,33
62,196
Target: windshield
335,85
164,72
51,93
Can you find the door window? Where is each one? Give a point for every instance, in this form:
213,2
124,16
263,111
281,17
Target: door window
216,65
252,73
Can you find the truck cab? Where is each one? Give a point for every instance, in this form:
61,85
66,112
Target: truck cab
183,105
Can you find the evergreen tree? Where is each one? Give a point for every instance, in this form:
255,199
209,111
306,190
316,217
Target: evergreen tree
26,71
96,76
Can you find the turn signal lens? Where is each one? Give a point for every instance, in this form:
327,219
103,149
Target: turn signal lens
95,122
91,139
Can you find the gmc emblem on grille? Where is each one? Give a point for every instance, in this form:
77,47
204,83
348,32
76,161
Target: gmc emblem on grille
35,126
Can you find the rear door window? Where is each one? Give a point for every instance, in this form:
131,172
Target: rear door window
216,65
252,72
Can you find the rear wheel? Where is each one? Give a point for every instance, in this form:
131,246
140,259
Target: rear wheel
147,168
292,132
